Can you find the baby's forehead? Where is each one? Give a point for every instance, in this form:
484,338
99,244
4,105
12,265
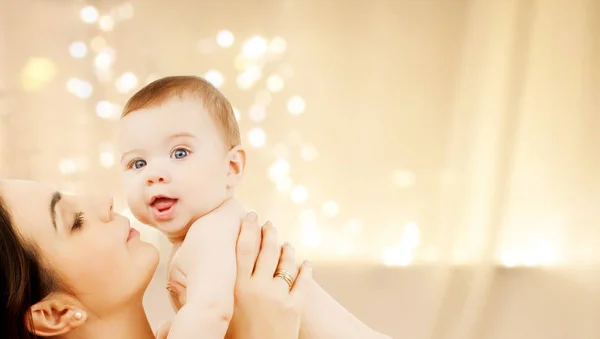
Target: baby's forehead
168,115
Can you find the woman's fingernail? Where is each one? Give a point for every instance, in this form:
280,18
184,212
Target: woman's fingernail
251,216
307,264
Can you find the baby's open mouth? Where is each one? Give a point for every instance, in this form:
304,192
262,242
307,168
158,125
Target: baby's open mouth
163,207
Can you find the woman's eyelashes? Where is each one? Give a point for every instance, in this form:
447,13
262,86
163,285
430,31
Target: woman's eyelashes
79,220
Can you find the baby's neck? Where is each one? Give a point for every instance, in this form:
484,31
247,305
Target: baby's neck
125,324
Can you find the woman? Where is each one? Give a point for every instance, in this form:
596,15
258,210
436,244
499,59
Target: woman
72,268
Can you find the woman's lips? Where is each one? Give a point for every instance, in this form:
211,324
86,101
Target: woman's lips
133,233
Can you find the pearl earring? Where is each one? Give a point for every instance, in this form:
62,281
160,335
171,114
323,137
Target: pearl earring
78,315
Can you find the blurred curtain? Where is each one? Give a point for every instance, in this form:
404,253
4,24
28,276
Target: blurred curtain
458,139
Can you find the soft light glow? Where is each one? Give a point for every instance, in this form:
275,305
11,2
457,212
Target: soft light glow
411,236
214,77
299,194
104,75
544,254
97,44
89,14
275,83
106,23
279,170
104,59
225,38
67,166
79,88
126,82
257,137
397,256
241,62
404,178
78,49
255,47
107,159
125,11
309,152
253,72
296,105
277,45
330,208
37,73
107,110
257,113
509,259
245,81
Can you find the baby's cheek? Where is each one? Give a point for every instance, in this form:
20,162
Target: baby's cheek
136,203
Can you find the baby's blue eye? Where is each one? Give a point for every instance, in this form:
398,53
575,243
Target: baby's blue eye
180,153
139,164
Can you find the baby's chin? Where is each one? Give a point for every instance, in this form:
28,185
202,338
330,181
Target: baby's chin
173,228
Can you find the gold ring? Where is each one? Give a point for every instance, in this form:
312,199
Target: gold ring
285,275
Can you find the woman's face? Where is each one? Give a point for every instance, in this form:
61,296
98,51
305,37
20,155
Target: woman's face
84,242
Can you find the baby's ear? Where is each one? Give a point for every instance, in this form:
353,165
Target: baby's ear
236,165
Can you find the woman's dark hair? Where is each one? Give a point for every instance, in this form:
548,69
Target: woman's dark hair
23,279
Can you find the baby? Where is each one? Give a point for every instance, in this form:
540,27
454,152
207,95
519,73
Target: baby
182,159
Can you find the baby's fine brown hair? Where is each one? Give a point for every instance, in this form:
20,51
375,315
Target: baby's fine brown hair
162,90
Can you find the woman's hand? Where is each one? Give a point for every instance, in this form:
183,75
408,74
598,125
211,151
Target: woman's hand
266,306
270,290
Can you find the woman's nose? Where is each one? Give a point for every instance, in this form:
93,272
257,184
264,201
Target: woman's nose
104,207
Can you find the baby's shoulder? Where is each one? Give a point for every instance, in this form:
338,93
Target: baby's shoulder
185,251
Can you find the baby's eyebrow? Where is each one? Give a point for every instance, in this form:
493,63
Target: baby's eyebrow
181,135
126,154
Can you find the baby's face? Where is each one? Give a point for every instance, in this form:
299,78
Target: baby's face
174,163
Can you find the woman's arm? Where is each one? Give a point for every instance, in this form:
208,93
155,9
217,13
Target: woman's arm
324,318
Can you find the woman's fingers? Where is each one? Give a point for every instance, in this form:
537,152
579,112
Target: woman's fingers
286,269
248,245
302,282
269,252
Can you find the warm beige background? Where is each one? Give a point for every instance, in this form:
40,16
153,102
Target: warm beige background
475,121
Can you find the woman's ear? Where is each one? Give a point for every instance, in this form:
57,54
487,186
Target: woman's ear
236,159
55,315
